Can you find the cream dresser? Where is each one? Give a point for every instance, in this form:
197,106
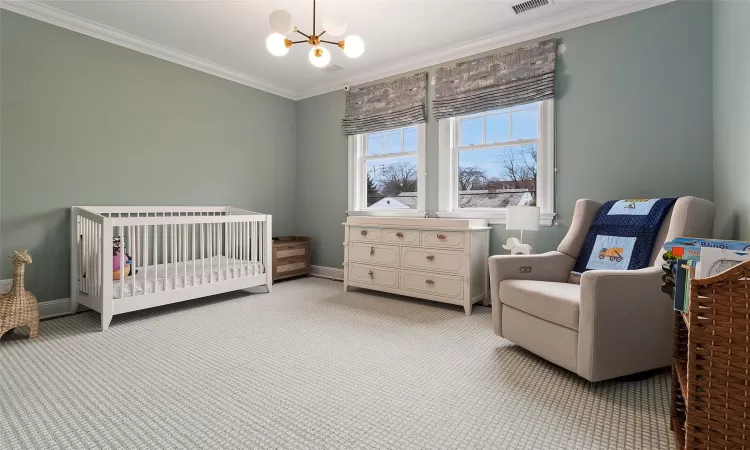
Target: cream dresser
444,260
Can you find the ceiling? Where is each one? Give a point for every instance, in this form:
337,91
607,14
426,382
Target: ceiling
227,37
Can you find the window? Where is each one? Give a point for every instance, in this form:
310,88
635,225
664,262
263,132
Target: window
386,172
496,159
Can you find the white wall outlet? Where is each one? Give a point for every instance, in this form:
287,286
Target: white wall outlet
5,286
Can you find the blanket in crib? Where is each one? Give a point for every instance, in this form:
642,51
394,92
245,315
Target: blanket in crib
623,234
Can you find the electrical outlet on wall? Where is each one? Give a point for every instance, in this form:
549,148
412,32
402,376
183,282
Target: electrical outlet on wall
5,286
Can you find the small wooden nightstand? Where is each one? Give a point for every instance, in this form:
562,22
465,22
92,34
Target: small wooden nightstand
291,257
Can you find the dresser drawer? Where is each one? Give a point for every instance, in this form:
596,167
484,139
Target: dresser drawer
381,276
443,239
363,234
374,253
448,286
433,259
405,237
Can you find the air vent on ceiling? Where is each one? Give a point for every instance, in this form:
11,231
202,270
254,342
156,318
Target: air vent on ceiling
333,68
529,5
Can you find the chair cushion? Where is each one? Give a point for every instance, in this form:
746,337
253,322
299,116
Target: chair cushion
553,302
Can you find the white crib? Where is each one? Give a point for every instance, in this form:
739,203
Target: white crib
178,253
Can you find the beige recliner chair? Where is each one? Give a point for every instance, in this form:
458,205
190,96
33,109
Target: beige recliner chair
614,323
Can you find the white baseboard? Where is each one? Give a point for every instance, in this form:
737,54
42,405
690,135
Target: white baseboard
327,272
54,308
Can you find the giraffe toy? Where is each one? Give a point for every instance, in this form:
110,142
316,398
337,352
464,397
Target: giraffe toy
19,307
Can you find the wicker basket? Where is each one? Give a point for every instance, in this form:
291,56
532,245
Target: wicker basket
711,382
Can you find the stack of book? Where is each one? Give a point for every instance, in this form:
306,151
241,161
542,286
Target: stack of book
700,258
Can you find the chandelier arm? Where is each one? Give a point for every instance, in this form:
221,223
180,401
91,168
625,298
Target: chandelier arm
322,33
303,34
299,42
329,42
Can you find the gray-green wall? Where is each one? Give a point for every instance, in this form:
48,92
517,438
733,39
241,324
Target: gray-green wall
85,122
732,118
634,116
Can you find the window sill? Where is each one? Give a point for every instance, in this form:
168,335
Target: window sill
494,217
388,213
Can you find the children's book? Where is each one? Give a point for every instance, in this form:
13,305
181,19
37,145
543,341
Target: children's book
682,284
717,260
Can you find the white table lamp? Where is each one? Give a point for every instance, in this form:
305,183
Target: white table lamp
521,218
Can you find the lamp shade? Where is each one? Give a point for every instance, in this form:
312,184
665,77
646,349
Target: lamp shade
522,218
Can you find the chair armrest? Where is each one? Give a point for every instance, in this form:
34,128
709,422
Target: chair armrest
625,323
550,266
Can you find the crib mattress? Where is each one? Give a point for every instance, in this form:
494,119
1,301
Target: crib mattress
176,279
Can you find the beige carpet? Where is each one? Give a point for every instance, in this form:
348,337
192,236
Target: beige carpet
308,367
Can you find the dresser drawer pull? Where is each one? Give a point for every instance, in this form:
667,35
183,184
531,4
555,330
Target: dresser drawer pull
442,236
372,251
430,258
363,232
430,282
399,235
372,275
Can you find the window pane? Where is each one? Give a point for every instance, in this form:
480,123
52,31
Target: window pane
392,183
526,124
498,128
375,144
497,177
410,139
393,141
471,131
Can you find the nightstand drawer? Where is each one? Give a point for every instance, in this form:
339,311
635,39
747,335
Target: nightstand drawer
404,237
374,253
443,239
288,268
433,259
448,286
381,276
362,234
290,251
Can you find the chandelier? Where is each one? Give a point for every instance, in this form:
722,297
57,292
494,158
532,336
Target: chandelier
281,23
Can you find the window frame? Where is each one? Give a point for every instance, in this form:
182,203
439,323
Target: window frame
357,169
448,169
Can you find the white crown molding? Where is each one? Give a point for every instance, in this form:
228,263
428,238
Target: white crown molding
595,13
62,19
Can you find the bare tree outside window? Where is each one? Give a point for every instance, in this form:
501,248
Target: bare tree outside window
498,177
392,183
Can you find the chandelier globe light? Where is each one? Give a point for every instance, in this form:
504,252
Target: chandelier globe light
334,25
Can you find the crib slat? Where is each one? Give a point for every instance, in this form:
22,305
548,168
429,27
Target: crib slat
89,255
184,255
203,254
165,261
122,262
98,262
192,254
174,255
145,259
211,234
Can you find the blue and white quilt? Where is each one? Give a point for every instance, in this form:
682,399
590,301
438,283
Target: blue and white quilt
623,234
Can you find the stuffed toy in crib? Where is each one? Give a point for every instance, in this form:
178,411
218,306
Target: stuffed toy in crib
116,269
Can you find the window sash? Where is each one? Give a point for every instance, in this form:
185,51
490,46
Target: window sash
449,149
358,159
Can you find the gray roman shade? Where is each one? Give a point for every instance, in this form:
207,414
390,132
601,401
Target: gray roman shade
523,75
396,103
